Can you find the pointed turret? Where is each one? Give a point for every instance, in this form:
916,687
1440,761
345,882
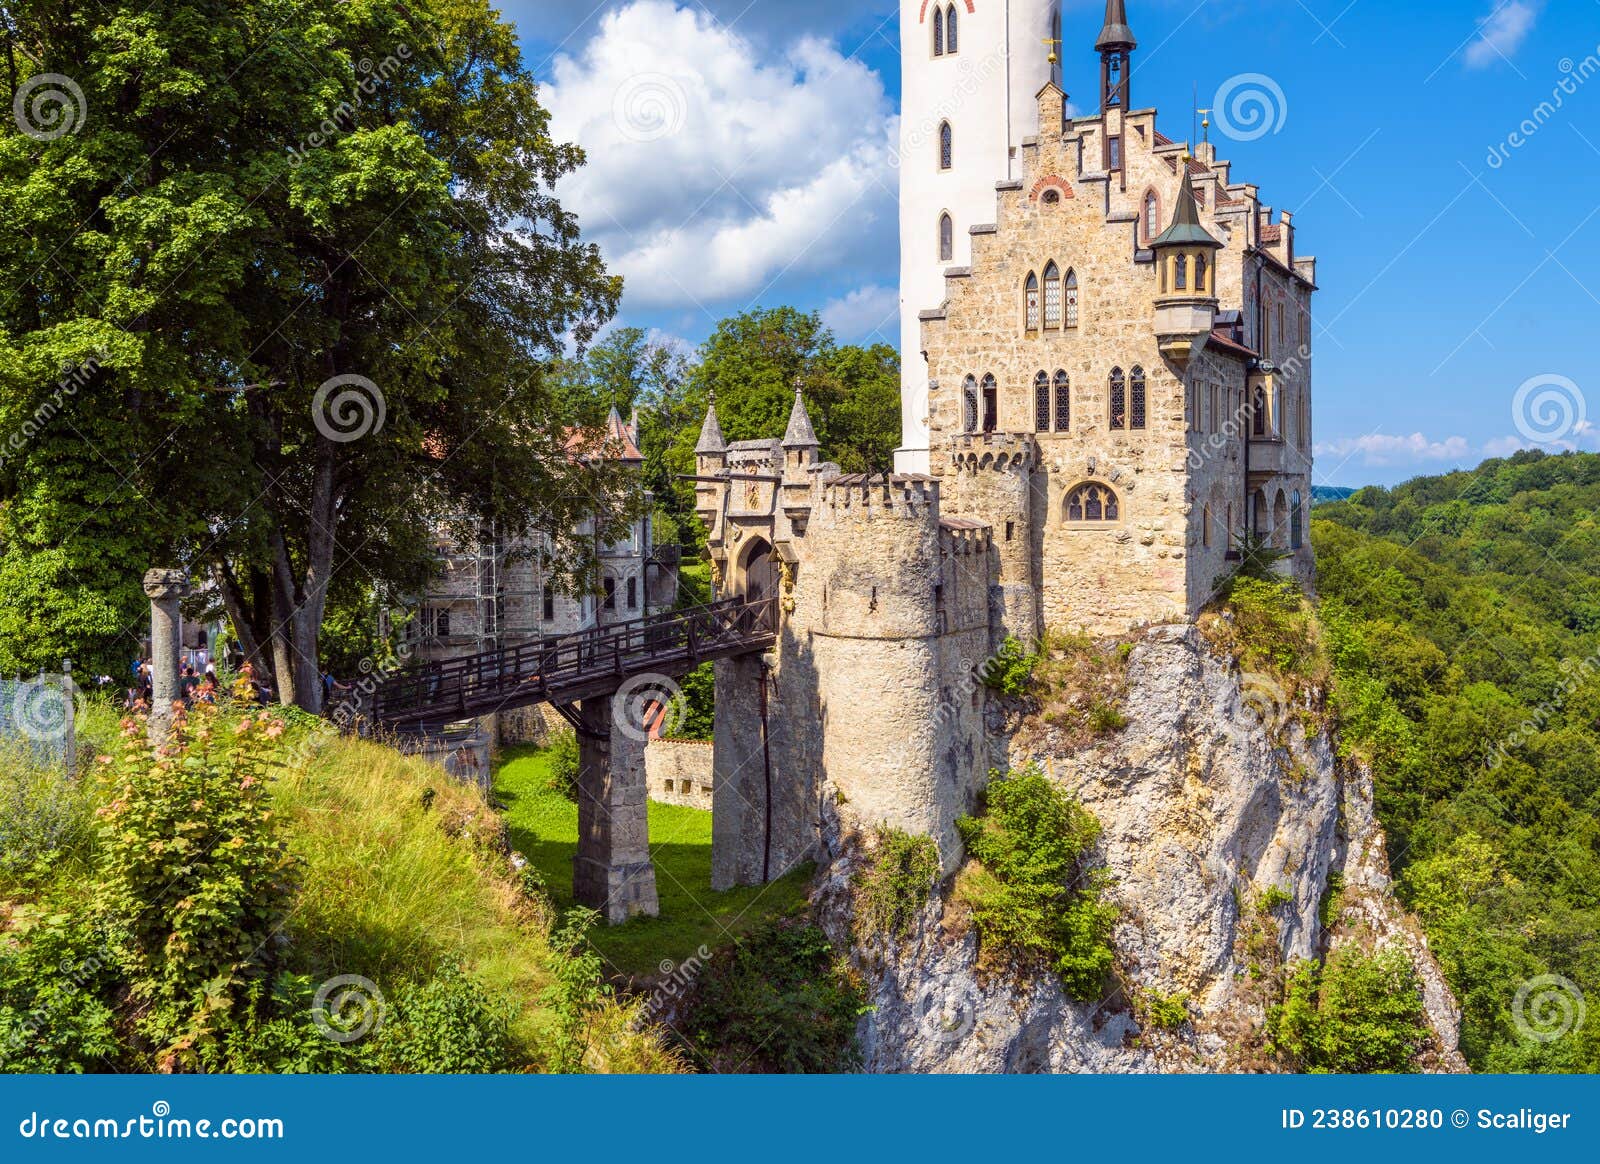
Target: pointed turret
1115,46
1116,33
799,434
1186,278
711,442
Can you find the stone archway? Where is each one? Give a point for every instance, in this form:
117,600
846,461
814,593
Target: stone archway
756,577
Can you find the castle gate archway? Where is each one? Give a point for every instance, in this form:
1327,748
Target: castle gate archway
756,577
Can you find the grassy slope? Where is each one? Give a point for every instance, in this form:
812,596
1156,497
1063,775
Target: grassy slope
392,890
544,827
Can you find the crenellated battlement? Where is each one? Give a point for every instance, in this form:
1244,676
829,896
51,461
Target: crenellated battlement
972,452
961,537
857,496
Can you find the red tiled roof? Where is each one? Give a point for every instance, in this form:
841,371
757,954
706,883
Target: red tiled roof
1272,233
613,440
1226,343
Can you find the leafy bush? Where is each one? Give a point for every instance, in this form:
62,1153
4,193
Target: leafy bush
564,763
1034,897
1166,1011
781,999
447,1025
194,875
893,888
1080,685
54,1017
1010,671
1357,1013
576,996
1273,629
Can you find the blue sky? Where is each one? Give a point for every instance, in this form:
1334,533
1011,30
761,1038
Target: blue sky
1460,297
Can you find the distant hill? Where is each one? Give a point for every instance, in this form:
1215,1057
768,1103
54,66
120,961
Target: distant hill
1462,615
1321,494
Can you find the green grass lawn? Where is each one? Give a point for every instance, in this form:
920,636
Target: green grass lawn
544,828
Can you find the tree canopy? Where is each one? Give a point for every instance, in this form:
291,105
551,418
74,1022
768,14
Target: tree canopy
285,291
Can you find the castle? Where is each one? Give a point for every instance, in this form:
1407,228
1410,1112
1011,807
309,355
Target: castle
1107,390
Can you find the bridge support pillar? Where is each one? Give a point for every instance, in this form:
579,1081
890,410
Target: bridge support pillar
612,872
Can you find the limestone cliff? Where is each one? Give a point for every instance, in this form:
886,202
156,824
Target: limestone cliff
1220,831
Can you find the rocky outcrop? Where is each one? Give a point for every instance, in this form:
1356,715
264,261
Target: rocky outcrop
1222,821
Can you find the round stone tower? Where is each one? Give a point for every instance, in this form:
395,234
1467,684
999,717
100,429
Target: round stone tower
993,477
970,74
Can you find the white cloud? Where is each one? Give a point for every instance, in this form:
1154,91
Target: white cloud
870,312
712,171
1501,33
1377,450
1583,437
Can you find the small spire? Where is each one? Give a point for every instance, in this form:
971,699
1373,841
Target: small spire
1116,34
1185,229
799,434
711,441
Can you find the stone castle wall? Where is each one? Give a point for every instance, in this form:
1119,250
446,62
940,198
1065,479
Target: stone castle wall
679,772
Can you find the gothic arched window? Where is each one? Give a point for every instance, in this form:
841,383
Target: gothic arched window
946,146
1041,402
1071,287
1258,412
938,32
1152,216
1063,388
1136,410
947,238
969,405
991,404
1030,298
1052,296
1119,399
950,42
1091,502
1180,273
1200,274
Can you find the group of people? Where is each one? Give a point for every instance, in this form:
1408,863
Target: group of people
204,687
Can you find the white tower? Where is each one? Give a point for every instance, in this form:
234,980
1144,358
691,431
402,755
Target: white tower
976,67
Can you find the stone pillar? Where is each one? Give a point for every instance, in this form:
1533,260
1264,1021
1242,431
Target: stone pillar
166,589
612,871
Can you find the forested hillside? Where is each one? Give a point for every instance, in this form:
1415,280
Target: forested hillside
1462,614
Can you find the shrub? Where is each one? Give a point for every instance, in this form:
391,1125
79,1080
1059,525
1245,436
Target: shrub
1356,1013
194,876
1034,897
1010,671
781,999
891,891
576,996
1167,1011
1081,684
447,1025
564,763
54,1017
1272,897
1274,629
